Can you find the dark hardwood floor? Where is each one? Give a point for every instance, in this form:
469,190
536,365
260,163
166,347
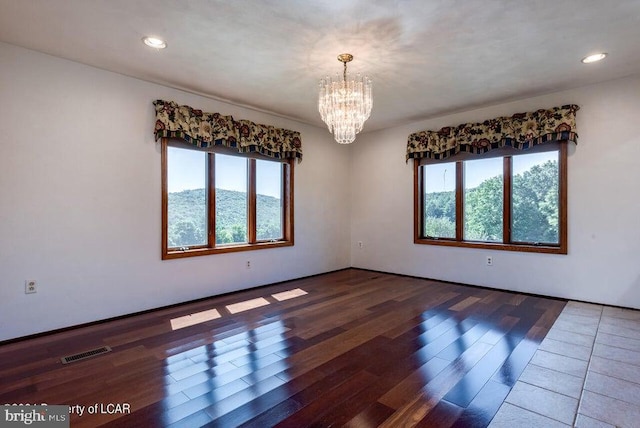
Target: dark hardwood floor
361,349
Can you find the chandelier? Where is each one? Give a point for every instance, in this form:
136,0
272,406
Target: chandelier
345,105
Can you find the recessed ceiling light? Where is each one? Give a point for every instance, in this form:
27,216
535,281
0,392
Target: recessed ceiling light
594,58
154,42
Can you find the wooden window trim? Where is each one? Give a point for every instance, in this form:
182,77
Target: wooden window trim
459,206
507,206
251,205
252,244
507,245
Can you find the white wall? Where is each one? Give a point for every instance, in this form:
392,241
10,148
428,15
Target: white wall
80,200
603,264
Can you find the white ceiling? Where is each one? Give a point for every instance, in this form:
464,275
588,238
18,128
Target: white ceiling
425,57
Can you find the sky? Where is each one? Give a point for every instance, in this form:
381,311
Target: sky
441,176
187,170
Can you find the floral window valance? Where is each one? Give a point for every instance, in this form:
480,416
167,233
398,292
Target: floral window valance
213,129
520,131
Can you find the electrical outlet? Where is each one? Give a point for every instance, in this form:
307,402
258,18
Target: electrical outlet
248,264
360,244
489,261
30,286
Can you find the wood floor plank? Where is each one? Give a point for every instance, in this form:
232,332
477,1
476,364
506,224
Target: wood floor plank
443,415
316,411
374,415
360,348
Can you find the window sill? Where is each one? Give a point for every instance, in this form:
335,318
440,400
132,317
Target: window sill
548,249
178,254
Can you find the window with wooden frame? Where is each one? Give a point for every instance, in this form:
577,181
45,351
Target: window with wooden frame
217,201
515,201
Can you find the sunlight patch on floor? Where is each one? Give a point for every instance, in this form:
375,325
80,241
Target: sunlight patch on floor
290,294
246,305
195,318
211,314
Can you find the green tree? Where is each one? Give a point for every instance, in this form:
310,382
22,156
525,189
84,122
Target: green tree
535,204
186,233
441,204
187,217
239,233
483,211
440,214
440,227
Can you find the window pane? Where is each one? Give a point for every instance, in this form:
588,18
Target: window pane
231,199
440,200
483,196
268,200
536,198
187,208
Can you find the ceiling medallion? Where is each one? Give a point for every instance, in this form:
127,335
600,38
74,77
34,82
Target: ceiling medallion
345,104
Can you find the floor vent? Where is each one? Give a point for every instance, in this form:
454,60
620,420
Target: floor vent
85,355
